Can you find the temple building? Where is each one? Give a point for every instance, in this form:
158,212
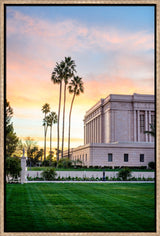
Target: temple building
114,132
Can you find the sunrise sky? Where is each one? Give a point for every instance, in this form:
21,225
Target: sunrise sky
112,46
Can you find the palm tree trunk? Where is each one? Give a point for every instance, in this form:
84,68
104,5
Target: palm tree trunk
59,108
44,144
69,128
50,142
63,119
50,139
45,135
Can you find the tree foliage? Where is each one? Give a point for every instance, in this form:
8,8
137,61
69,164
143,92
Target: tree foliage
65,163
152,130
11,137
75,87
62,73
45,110
13,167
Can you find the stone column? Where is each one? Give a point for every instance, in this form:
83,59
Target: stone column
89,132
92,132
100,124
138,124
98,130
134,127
84,134
94,128
149,125
23,171
146,126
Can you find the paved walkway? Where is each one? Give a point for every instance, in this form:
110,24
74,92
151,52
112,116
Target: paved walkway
138,182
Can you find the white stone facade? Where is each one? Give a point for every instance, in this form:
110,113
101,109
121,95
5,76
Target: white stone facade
119,118
114,132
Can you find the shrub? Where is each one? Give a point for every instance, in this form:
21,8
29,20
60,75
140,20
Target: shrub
96,167
54,163
151,165
124,174
13,167
45,163
49,174
65,163
91,167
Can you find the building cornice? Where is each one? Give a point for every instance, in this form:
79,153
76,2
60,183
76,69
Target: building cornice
135,98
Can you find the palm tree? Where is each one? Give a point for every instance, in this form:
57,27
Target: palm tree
45,110
52,119
75,87
152,130
68,68
56,78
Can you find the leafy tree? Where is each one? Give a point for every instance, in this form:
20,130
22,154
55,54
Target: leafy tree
45,110
31,146
13,167
75,87
11,137
39,154
9,115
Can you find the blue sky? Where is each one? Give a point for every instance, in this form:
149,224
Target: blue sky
128,17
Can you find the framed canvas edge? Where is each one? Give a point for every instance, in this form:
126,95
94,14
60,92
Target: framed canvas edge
2,92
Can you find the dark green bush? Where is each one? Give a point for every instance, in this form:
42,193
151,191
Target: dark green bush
49,174
151,165
45,163
124,174
65,163
13,167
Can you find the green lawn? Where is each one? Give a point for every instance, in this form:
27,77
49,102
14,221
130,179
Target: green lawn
80,207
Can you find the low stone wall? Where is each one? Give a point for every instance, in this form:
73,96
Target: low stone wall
90,174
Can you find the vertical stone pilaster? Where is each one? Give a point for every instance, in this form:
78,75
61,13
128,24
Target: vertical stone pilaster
84,134
134,127
91,131
96,129
100,128
87,133
101,125
149,125
146,126
23,171
138,125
